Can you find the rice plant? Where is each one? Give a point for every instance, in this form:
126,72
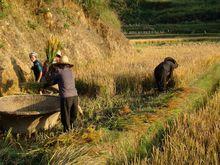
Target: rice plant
193,139
53,45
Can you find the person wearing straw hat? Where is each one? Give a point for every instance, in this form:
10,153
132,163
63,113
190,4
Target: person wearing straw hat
65,79
58,56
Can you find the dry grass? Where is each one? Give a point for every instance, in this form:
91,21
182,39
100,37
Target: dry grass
121,73
193,139
194,59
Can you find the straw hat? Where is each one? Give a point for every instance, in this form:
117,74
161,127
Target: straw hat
65,60
58,53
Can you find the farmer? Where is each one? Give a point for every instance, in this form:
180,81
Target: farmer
163,74
65,79
58,56
37,66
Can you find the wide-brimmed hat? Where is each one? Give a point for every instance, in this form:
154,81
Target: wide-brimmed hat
58,53
65,60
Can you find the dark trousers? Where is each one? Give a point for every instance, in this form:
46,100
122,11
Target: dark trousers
69,109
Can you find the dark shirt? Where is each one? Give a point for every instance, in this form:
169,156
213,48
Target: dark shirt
65,79
37,68
168,67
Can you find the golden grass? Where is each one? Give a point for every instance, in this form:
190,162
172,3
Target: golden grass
193,139
194,60
120,73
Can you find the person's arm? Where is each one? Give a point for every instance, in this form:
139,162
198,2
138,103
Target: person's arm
40,76
54,80
40,69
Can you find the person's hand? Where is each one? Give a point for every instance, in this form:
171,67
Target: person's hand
80,111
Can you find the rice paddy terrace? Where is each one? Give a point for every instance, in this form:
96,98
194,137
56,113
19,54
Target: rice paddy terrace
126,126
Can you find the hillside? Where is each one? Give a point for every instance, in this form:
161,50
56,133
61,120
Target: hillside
170,16
25,26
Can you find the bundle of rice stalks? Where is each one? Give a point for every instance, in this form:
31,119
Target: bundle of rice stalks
53,46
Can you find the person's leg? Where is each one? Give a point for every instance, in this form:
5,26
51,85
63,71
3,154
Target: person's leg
74,110
163,82
65,114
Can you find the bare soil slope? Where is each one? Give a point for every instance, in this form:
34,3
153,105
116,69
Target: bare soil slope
27,27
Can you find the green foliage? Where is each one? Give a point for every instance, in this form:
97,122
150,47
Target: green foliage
100,9
174,11
4,7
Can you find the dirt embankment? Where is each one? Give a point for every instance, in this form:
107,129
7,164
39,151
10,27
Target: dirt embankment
28,25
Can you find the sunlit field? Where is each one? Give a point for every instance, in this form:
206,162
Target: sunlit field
124,107
134,72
